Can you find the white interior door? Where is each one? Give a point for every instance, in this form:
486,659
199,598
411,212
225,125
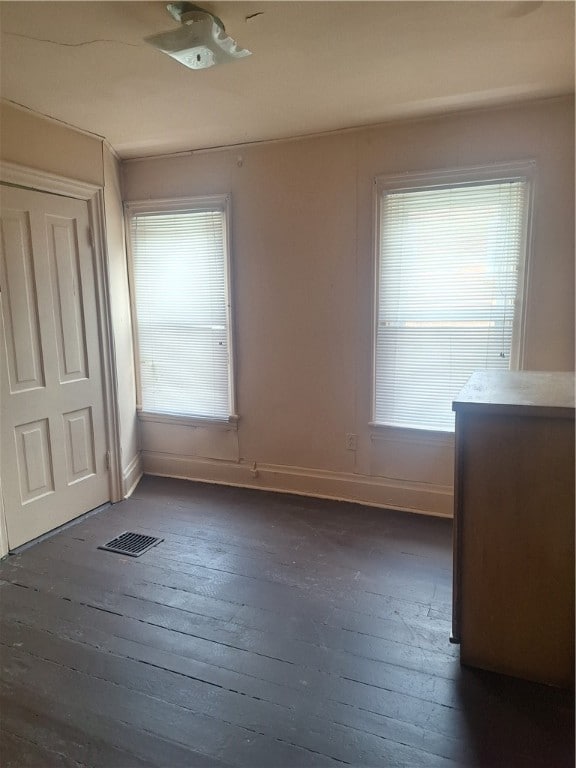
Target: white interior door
53,438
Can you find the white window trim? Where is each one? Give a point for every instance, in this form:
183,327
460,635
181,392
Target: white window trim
517,170
189,421
207,202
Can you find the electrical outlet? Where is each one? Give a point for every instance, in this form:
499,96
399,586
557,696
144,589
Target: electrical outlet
351,442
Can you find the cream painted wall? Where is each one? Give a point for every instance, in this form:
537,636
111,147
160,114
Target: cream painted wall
36,142
303,263
31,140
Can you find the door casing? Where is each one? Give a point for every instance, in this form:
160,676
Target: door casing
41,181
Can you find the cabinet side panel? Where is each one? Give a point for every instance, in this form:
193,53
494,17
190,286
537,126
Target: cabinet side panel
517,558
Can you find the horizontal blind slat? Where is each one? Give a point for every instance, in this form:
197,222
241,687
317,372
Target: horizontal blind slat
181,308
449,261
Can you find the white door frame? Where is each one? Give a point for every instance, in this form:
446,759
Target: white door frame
41,181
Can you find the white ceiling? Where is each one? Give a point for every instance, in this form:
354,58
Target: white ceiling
316,66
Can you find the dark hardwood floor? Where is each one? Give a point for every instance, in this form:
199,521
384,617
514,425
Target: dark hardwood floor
265,630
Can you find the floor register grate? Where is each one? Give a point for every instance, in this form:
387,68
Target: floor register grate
131,544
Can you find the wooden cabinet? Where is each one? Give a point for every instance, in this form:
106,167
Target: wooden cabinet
513,606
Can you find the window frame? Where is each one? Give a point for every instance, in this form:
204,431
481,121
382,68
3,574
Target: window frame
523,170
174,205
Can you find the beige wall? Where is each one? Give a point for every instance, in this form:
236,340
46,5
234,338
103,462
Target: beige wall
35,142
302,260
28,139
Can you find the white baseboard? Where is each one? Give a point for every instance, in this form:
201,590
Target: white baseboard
131,475
422,498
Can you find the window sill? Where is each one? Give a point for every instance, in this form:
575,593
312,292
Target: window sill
410,434
189,421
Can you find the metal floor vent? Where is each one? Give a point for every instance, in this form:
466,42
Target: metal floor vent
131,544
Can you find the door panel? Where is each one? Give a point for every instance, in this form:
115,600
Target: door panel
79,437
21,313
33,455
66,288
53,442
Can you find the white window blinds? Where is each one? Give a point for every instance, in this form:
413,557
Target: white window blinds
449,265
181,302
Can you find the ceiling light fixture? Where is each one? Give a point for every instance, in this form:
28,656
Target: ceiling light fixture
200,42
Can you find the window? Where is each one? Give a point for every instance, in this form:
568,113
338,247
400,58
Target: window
180,281
450,259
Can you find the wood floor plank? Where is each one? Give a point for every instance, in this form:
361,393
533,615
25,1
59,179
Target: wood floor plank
50,729
417,587
298,572
149,713
17,752
231,680
288,725
318,665
93,738
265,630
415,628
206,563
194,530
226,599
387,704
287,512
330,639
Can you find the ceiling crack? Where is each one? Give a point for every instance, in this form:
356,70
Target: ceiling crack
71,45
